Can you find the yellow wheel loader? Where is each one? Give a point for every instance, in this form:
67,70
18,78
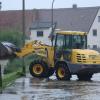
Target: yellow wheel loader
67,57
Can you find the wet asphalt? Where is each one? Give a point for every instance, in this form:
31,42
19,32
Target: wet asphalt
29,88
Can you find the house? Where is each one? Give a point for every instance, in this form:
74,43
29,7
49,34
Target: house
41,31
85,19
94,33
38,22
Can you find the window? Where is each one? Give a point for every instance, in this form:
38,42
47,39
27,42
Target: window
59,44
39,33
79,41
94,46
60,41
94,32
98,18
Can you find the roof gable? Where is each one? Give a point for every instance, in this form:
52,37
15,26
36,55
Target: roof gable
78,19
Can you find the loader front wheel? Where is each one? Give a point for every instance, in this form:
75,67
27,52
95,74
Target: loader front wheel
62,72
38,69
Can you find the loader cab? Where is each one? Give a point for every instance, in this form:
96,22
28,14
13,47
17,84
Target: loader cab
65,41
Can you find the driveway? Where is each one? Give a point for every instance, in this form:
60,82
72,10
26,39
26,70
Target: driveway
29,88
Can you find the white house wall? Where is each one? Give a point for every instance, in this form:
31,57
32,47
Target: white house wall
94,40
44,39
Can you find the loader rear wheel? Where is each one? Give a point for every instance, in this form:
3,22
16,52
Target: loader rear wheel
85,77
62,72
38,69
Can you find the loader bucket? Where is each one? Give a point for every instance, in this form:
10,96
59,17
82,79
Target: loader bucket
7,50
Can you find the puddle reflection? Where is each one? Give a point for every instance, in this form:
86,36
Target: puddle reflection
40,89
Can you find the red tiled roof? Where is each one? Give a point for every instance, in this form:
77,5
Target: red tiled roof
13,19
78,19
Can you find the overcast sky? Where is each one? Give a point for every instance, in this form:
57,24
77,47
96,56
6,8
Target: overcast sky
38,4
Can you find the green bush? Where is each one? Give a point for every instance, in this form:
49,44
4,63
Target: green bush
12,36
13,66
16,64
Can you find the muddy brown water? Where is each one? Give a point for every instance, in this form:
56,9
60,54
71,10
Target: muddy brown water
28,88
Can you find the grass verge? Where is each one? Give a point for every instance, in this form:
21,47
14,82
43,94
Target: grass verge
10,78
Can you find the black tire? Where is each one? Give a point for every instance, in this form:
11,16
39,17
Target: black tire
62,71
34,70
85,76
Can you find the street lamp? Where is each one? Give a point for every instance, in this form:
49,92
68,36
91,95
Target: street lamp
52,22
23,29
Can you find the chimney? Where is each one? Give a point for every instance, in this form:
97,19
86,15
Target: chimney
74,6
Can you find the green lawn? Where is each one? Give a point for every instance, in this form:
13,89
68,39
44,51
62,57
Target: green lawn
10,78
14,70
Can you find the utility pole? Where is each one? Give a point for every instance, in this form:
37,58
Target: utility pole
0,5
23,37
0,63
52,22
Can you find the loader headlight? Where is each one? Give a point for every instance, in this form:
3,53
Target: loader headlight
92,56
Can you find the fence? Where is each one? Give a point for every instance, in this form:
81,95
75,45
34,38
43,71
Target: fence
0,77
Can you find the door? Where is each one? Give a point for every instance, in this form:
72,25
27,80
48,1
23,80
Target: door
63,47
59,44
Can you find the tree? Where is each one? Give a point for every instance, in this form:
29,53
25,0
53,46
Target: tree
12,36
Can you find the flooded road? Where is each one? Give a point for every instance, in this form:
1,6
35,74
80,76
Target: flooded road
29,88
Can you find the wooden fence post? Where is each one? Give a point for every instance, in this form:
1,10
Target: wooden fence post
0,77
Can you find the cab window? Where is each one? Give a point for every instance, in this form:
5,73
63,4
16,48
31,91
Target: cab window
59,41
78,42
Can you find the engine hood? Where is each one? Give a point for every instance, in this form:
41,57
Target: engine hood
86,51
85,56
